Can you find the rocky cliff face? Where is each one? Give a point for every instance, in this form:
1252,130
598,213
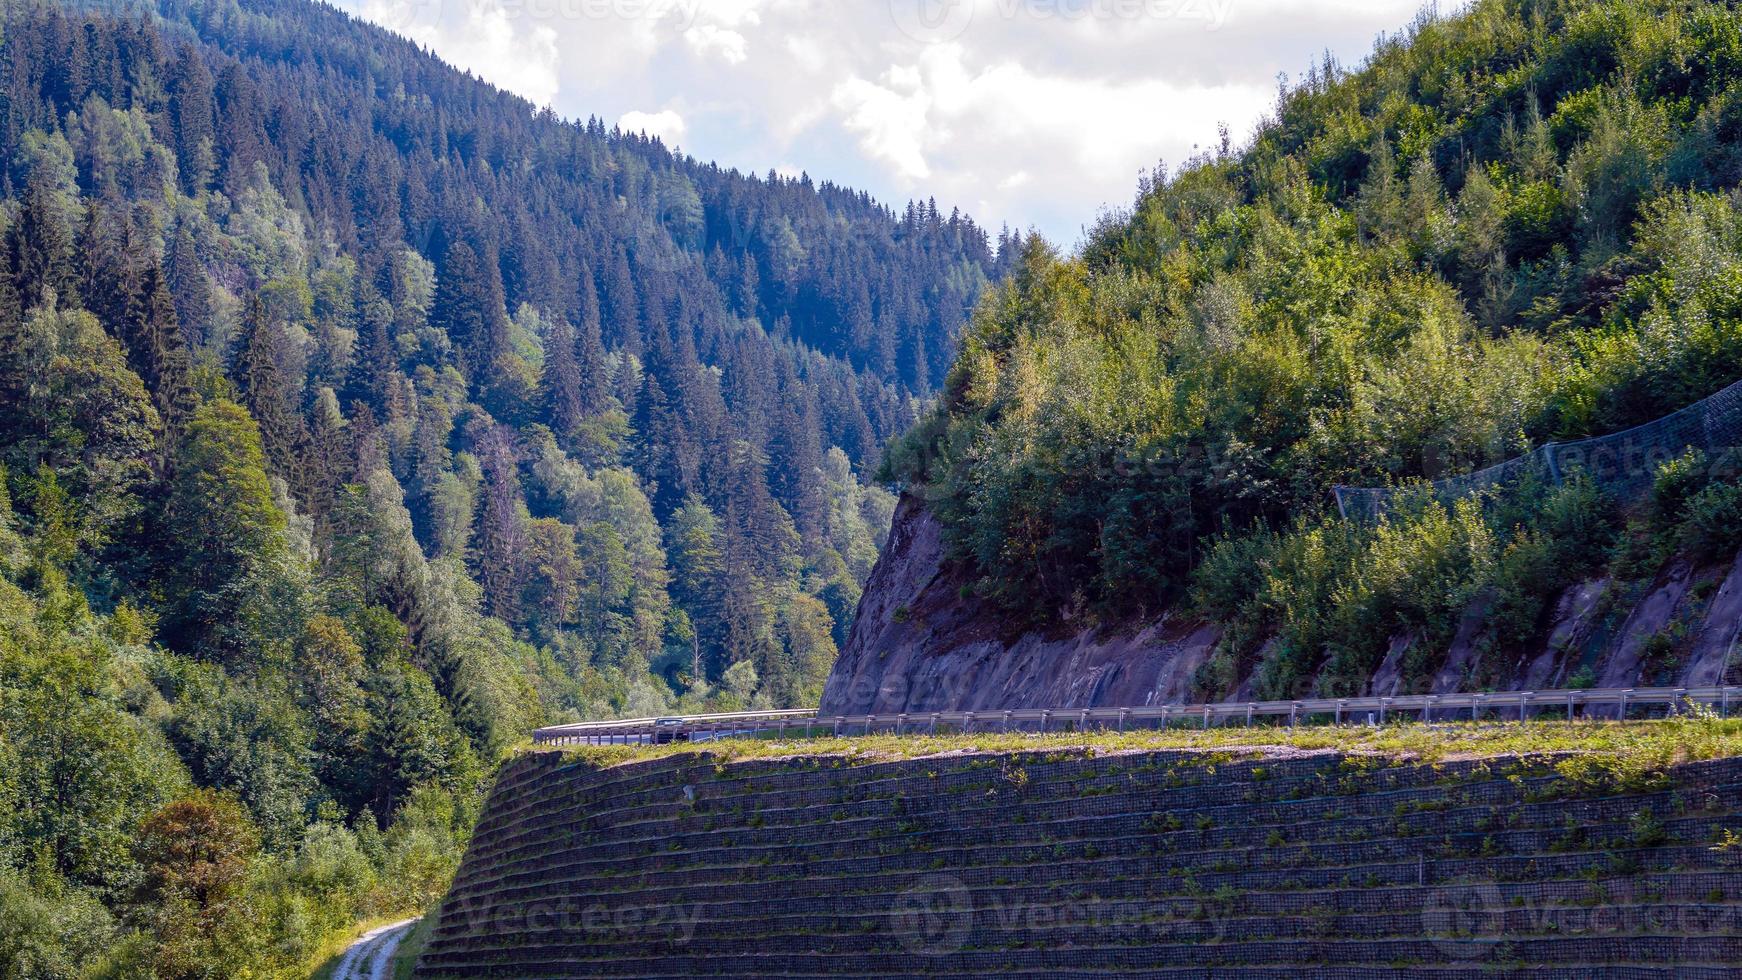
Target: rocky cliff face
920,643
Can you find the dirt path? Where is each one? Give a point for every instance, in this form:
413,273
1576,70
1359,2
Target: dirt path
371,956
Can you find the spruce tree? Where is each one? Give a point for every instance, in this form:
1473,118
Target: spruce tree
188,284
106,252
559,385
270,396
190,106
593,373
11,303
329,457
41,244
502,536
375,361
156,348
468,305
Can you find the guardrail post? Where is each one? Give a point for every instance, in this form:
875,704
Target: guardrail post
1681,696
1045,716
901,723
1382,703
1006,728
838,720
1340,703
1524,706
934,723
1206,716
1293,713
1623,715
1475,708
1123,713
967,722
1083,721
1249,708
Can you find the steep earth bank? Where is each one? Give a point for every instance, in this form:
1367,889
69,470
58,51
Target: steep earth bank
921,642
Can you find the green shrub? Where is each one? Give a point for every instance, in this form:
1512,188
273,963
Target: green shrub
1675,485
49,930
1711,527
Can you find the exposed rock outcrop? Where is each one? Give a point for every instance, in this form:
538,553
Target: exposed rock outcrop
923,642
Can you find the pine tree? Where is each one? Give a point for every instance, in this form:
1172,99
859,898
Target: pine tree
593,373
11,308
269,394
794,453
468,305
502,542
41,246
692,539
189,284
619,307
156,350
559,385
375,361
106,254
661,437
329,457
190,105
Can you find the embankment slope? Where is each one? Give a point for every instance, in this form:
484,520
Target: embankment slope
1068,862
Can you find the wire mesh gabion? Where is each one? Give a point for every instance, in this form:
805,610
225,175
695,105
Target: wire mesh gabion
1624,464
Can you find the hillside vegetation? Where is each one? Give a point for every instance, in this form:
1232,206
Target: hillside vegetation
356,418
1518,224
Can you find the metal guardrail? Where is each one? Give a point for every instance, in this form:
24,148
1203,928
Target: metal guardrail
1425,707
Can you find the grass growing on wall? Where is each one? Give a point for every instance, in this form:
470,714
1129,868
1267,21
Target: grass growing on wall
1628,752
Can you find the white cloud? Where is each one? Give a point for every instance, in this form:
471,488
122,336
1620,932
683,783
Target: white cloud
1035,112
891,124
665,124
718,26
728,44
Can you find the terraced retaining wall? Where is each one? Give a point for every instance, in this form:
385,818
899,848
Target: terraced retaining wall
1065,865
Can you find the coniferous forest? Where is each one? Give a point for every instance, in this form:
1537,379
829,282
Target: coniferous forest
356,418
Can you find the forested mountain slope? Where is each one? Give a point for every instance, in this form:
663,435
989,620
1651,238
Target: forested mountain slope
1514,225
356,417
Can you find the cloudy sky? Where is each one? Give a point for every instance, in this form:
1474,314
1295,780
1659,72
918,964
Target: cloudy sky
1035,113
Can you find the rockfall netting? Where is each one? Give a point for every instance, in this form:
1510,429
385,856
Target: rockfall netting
1624,464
